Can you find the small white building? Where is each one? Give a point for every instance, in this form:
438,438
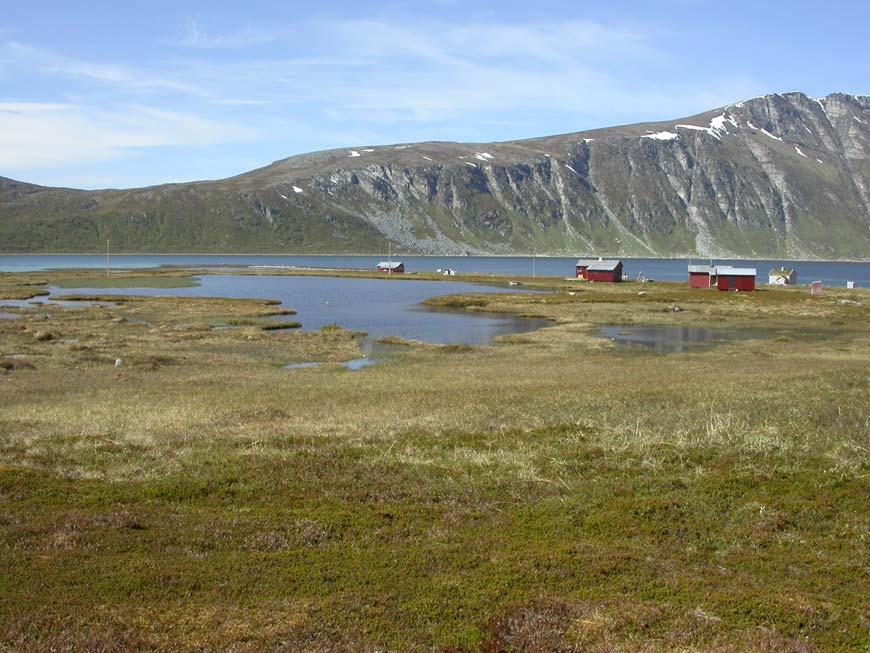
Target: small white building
782,277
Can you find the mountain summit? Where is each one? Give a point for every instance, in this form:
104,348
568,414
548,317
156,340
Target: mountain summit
783,176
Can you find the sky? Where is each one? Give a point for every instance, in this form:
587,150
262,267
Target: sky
122,94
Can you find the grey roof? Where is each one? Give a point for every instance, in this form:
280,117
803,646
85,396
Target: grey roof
604,266
781,271
735,272
387,264
704,269
586,262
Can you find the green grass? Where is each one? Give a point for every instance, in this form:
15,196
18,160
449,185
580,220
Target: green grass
201,497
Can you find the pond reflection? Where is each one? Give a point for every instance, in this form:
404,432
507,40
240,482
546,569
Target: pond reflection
669,339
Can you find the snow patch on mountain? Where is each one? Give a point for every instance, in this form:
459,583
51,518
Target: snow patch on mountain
708,130
718,123
718,126
662,136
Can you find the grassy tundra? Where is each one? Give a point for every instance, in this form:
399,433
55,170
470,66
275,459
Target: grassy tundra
549,492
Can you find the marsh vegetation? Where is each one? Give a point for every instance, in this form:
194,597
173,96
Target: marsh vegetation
550,491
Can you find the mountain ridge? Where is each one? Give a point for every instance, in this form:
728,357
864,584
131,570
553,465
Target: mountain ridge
782,175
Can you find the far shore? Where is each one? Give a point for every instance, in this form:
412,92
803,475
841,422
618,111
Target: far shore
681,257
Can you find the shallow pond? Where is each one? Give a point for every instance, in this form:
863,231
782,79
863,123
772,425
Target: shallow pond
669,339
43,302
353,365
375,306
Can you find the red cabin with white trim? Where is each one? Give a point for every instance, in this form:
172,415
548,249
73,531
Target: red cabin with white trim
702,276
599,270
729,278
610,271
583,265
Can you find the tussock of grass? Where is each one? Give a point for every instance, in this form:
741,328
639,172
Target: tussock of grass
399,342
456,301
278,326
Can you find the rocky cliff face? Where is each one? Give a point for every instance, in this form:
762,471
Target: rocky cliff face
783,175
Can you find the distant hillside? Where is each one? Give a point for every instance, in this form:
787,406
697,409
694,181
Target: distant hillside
782,175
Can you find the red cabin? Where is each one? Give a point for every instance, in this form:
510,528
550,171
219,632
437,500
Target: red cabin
391,267
735,278
610,271
583,265
702,276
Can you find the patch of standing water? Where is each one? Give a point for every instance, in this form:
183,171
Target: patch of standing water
668,339
44,301
373,353
378,307
353,365
359,363
301,366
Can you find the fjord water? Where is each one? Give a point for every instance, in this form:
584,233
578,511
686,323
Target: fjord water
829,272
380,307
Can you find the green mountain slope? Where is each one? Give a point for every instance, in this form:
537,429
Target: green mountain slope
784,175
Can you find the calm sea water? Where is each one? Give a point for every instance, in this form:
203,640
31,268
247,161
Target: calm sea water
830,273
378,307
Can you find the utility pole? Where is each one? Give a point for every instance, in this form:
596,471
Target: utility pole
107,257
389,258
534,256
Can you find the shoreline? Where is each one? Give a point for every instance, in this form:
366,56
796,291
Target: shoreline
441,256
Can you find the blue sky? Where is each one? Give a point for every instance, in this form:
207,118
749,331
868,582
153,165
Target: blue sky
101,94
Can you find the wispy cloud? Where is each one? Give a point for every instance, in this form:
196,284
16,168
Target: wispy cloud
196,36
412,72
40,135
425,72
119,76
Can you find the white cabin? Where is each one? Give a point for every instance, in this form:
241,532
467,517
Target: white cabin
782,277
